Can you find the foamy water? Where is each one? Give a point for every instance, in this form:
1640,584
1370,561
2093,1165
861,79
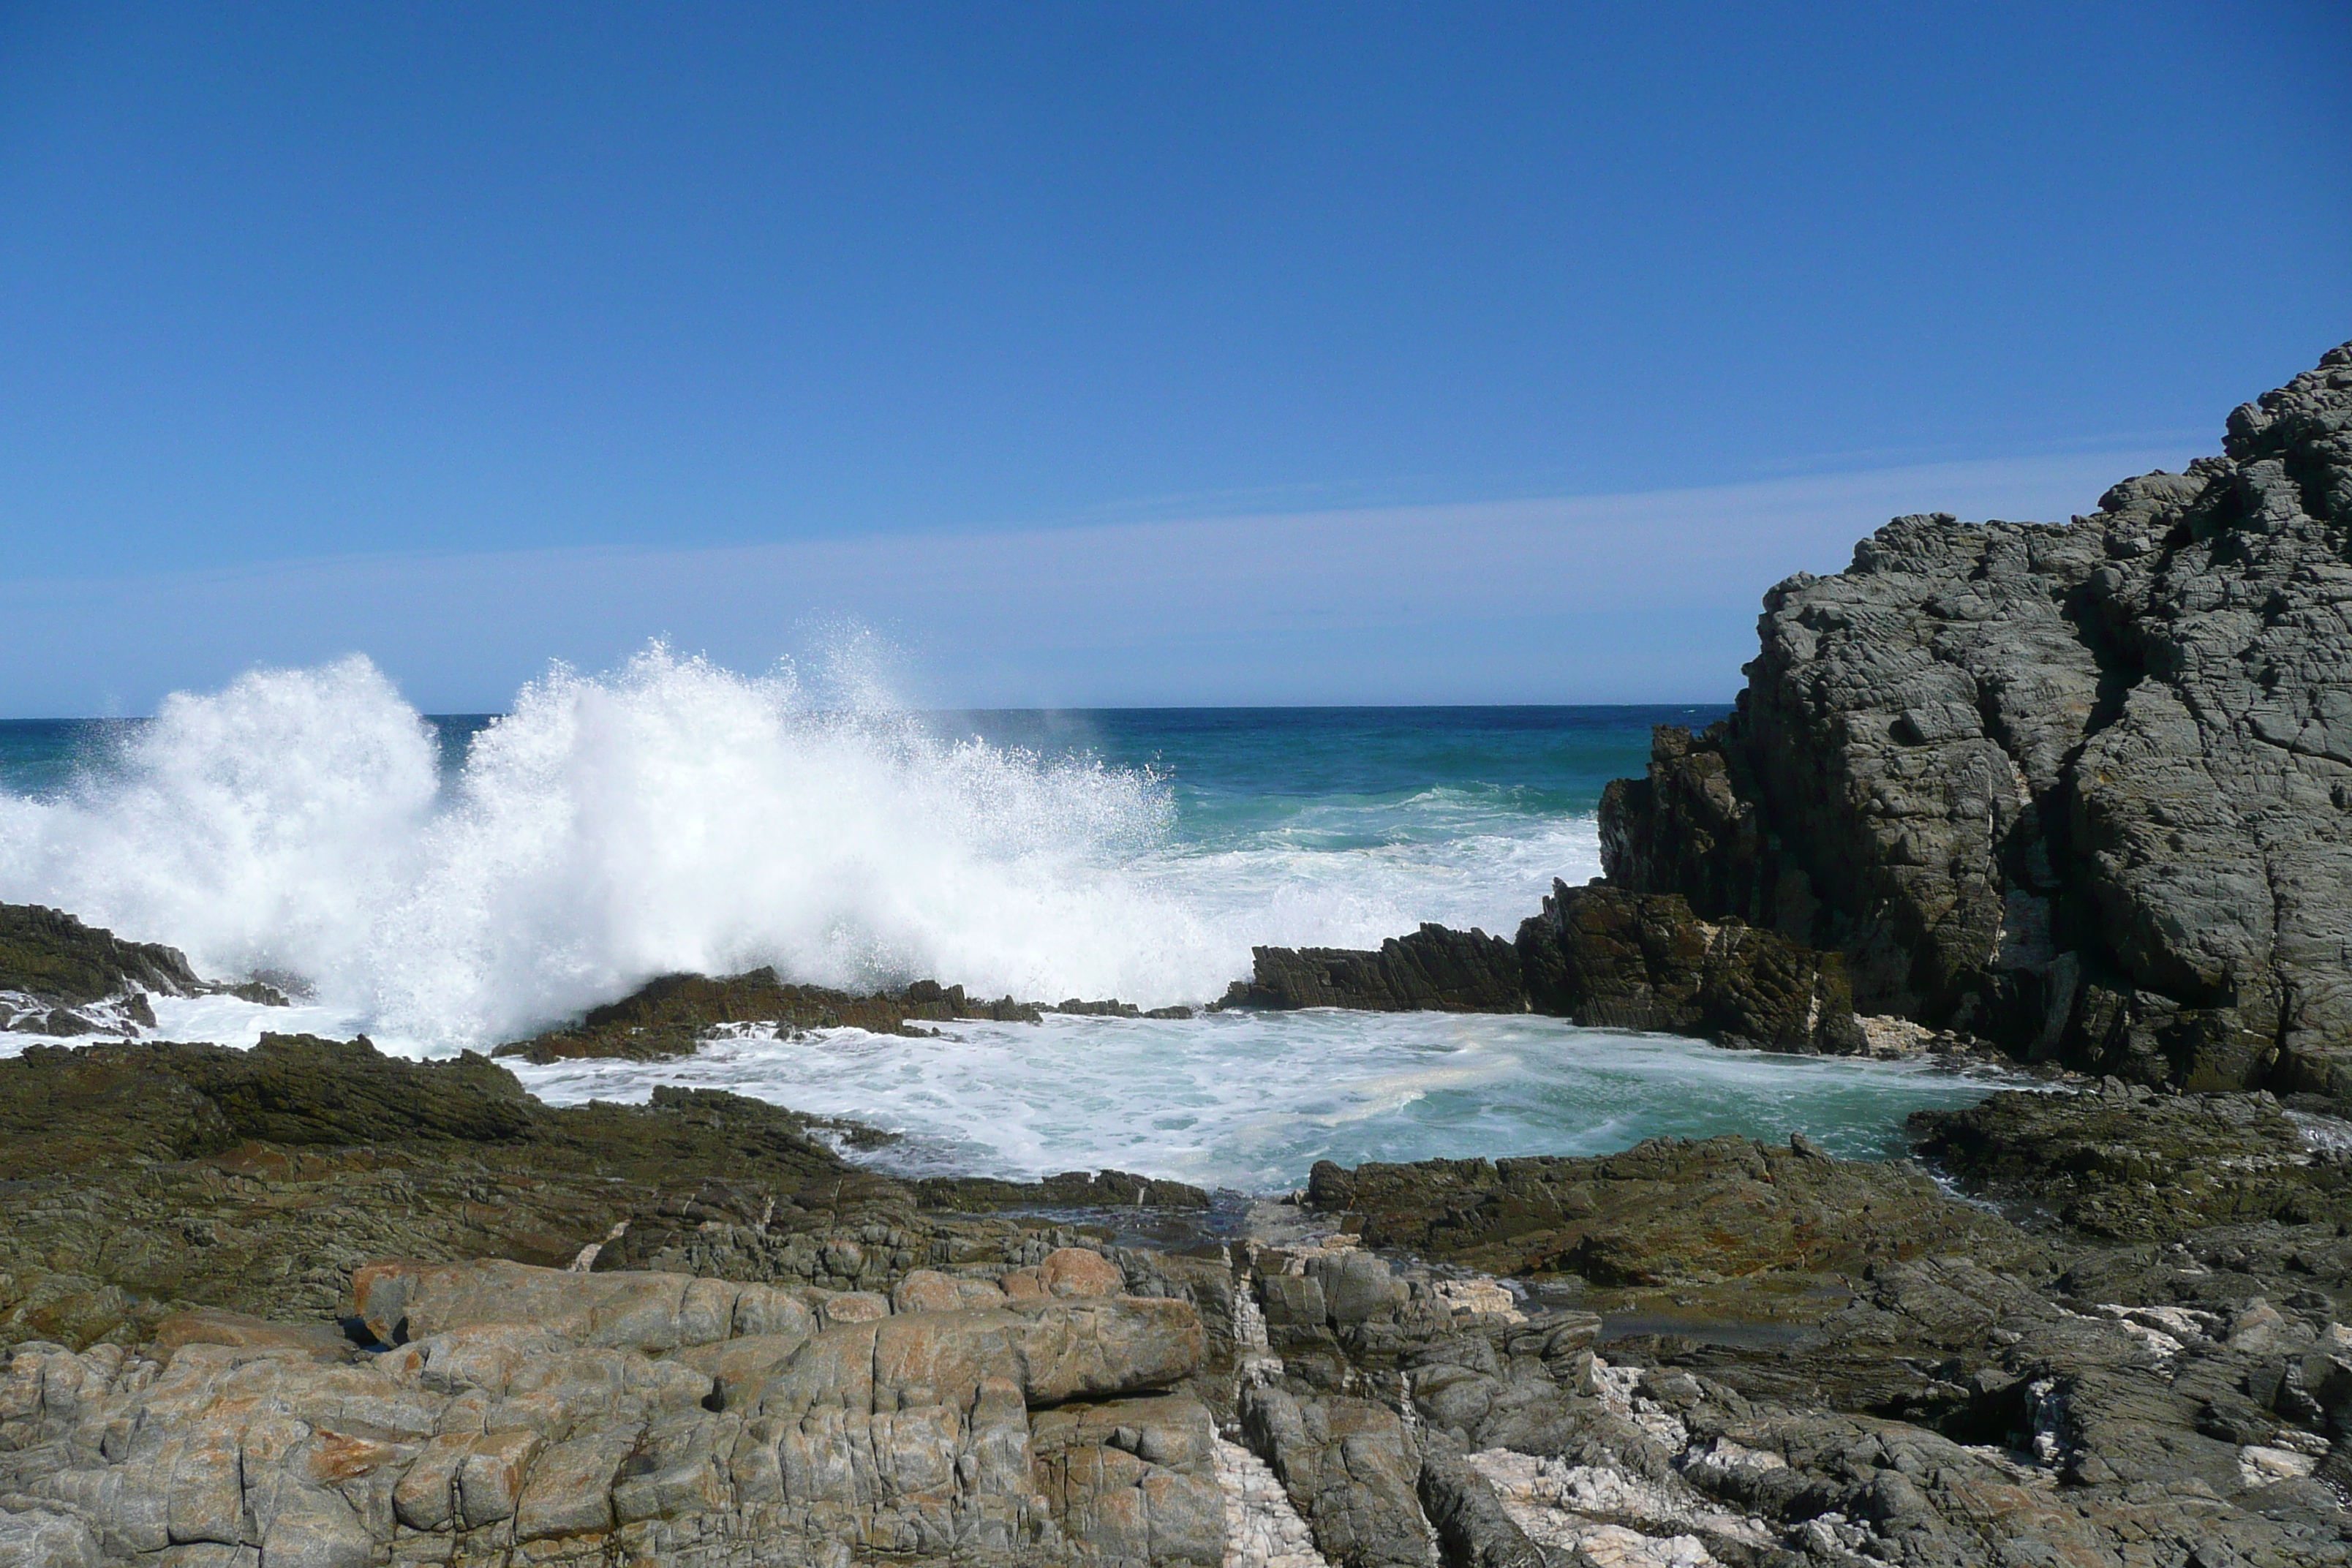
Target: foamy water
1252,1101
675,815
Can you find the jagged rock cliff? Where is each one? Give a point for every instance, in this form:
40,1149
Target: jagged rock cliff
2084,789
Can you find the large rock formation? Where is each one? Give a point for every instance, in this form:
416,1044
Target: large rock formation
2084,789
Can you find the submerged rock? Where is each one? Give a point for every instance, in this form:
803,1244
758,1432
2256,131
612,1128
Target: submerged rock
2082,789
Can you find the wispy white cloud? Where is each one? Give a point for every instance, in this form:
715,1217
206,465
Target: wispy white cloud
1569,599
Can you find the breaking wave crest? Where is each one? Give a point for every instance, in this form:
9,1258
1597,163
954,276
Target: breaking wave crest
675,815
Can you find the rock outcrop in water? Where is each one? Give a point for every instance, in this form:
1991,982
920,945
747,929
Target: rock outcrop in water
60,977
1597,955
672,1016
2086,790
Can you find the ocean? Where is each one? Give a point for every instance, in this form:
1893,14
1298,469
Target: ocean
450,882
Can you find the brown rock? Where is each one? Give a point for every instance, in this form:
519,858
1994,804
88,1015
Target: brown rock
1080,1272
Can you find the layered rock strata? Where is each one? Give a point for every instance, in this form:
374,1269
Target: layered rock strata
503,1414
2084,789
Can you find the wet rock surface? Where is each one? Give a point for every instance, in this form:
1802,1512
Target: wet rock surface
50,955
1596,955
672,1016
61,978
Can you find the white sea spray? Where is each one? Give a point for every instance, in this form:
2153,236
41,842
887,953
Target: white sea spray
673,816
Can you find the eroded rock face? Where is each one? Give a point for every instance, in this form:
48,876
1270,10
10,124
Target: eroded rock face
1955,1392
1607,959
1433,970
557,1417
2083,789
49,954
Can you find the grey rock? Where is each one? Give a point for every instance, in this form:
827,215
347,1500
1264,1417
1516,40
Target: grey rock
1474,1529
2082,789
572,1418
1351,1471
1431,969
1134,1479
1607,959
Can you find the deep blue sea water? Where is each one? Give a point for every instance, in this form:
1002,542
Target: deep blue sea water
459,880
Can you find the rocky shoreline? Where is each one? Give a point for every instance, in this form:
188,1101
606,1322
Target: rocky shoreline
2078,794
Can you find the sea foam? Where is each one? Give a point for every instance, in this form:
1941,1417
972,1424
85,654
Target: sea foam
675,815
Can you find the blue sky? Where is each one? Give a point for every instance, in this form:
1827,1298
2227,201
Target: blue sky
1103,353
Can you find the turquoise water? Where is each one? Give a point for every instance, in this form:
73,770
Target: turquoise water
453,882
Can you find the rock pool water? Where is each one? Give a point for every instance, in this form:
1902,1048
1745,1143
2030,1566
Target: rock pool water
1252,1101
